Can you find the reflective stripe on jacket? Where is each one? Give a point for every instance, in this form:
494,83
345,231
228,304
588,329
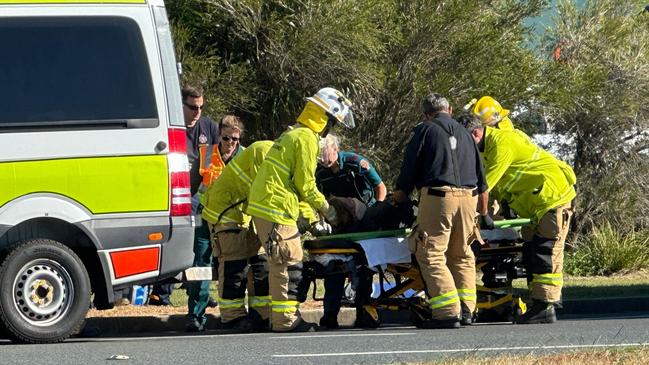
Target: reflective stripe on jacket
287,177
234,186
529,178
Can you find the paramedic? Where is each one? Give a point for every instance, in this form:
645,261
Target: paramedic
347,174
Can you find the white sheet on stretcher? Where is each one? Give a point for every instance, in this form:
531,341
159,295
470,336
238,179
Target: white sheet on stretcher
394,250
386,250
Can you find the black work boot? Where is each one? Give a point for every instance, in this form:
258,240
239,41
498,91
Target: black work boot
468,318
301,326
241,324
329,321
538,312
452,322
367,317
259,324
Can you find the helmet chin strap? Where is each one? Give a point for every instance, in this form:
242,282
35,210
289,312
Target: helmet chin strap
331,123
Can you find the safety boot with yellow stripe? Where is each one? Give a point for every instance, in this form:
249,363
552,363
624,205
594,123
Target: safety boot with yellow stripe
538,312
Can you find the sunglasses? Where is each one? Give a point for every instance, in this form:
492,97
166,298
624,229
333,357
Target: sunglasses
228,138
194,107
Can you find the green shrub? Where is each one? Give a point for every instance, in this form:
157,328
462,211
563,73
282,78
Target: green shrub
607,250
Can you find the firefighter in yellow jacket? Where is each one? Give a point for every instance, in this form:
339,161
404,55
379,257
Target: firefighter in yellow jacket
284,179
490,113
537,186
235,244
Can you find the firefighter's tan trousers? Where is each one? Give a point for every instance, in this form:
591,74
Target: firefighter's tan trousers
242,265
285,271
543,254
441,243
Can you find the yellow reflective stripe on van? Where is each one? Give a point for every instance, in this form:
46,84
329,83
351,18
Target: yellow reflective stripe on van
72,1
102,184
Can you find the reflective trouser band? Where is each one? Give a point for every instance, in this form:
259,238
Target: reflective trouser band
444,300
231,303
285,306
549,279
258,302
467,294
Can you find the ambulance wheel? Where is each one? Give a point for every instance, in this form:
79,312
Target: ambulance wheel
45,292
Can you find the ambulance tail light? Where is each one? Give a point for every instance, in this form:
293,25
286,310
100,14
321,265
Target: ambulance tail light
181,199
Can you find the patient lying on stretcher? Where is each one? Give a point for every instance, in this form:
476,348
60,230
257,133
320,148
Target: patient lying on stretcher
354,216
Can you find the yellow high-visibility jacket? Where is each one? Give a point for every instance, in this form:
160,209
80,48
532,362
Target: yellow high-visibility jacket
233,186
529,178
506,124
287,177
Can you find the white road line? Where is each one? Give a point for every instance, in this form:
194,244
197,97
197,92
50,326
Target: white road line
296,336
486,349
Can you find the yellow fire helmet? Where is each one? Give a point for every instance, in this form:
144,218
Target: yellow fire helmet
336,104
488,110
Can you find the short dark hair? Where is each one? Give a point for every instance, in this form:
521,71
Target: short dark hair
191,92
434,103
470,122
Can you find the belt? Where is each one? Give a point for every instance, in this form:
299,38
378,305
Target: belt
442,193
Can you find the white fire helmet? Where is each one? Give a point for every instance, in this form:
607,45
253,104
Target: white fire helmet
336,104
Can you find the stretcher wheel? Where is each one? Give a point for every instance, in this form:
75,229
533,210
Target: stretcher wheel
419,312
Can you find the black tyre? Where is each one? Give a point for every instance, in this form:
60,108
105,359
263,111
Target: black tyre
45,292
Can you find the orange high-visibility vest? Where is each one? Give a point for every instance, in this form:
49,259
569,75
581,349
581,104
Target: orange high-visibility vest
211,165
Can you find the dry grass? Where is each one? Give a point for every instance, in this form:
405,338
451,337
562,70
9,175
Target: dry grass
178,307
604,357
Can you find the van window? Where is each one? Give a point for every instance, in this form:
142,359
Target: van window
62,72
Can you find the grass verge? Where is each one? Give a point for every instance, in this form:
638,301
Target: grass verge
600,357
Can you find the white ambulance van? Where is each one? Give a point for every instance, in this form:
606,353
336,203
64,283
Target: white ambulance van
94,180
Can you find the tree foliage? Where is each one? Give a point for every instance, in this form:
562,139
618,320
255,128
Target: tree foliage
597,92
260,58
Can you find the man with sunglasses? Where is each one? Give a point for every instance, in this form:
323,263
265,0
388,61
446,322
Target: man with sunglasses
201,132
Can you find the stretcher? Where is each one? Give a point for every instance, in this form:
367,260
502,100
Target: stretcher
498,263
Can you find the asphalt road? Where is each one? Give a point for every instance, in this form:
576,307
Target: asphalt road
383,346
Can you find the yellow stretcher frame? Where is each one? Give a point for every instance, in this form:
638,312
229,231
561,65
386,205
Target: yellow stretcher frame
498,301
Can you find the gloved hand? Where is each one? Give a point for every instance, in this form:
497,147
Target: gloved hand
331,215
321,228
303,224
486,222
